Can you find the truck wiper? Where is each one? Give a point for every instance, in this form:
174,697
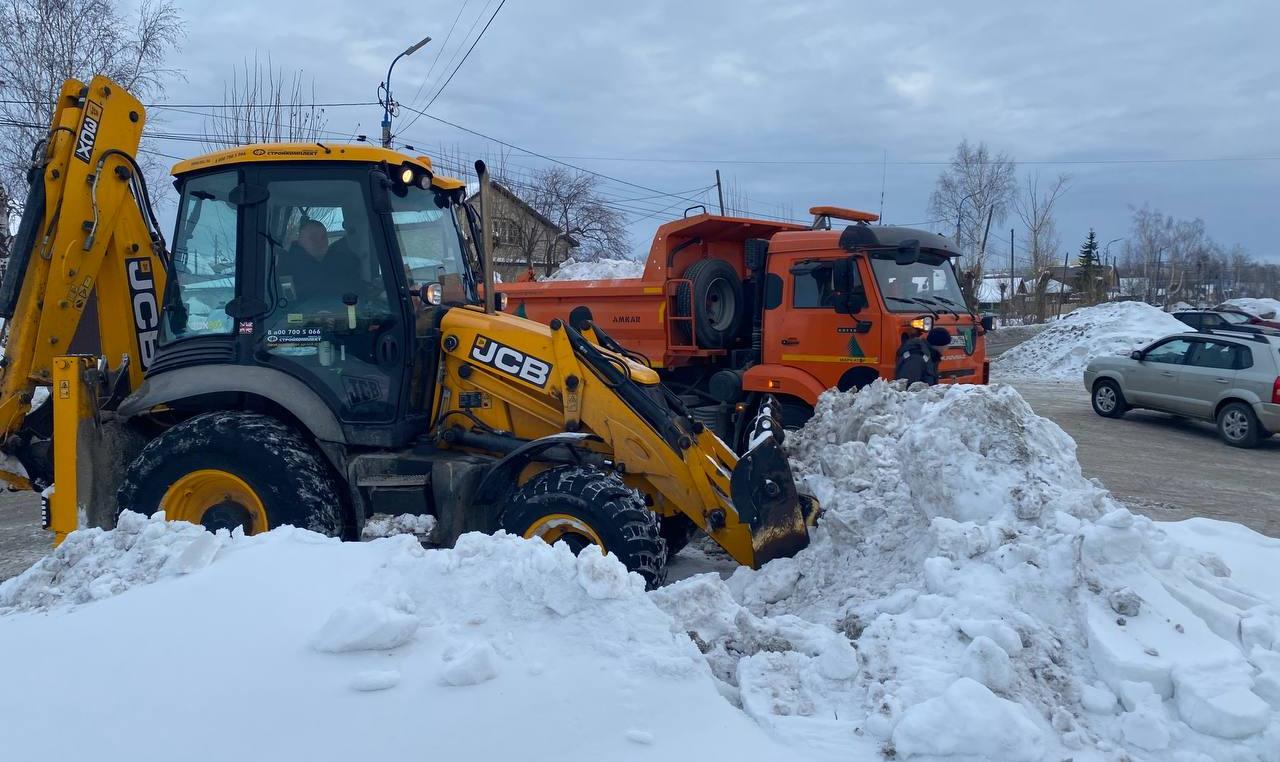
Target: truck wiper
913,300
940,300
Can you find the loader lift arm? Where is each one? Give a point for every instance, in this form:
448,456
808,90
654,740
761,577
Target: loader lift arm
88,253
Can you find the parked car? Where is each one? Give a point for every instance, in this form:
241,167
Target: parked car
1229,377
1235,320
1266,320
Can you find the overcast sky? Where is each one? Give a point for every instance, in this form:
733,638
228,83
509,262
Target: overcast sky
661,93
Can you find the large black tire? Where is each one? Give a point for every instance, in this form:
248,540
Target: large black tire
1238,425
291,479
795,415
597,503
1108,401
716,303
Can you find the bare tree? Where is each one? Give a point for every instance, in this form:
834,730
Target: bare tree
45,42
1034,206
977,188
263,104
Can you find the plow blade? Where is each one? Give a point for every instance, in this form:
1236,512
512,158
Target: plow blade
765,496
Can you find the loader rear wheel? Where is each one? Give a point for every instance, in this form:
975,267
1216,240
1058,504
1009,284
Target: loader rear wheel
230,469
716,303
586,506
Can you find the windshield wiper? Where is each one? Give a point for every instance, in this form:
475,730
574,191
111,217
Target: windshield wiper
913,300
940,300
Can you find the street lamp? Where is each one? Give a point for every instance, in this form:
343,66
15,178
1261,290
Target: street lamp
1106,250
386,104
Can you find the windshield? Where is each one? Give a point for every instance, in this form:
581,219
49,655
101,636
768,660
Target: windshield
931,280
426,228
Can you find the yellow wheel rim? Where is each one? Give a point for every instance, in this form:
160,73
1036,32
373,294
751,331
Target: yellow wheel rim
218,496
561,526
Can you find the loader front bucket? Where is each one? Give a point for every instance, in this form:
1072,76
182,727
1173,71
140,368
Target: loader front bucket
765,496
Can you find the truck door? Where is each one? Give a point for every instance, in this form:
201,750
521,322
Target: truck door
334,317
805,330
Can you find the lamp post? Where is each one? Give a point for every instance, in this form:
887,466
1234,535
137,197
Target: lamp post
386,103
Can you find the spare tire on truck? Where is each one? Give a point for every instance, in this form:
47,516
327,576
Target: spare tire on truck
715,302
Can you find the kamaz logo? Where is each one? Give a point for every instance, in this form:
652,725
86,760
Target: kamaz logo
146,312
88,134
626,318
510,361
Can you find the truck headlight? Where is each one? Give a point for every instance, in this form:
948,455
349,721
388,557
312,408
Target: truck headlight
923,323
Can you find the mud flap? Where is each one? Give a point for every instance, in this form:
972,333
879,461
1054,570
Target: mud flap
764,492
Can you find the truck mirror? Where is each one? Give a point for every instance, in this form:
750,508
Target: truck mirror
988,322
908,252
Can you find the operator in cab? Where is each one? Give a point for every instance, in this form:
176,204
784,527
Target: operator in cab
317,271
918,357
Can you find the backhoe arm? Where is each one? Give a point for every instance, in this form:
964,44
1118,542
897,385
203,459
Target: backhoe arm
86,272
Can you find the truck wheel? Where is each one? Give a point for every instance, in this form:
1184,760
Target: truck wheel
1238,425
716,302
227,469
586,506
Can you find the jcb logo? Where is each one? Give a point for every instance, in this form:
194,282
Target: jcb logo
146,311
88,134
510,361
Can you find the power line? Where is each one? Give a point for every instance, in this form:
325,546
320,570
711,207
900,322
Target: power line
465,57
440,51
921,162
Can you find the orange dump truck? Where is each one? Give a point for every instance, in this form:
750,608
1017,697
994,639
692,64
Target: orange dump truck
731,309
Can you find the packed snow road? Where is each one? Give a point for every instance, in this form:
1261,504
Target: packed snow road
1166,467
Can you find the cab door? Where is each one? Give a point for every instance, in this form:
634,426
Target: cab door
805,329
333,313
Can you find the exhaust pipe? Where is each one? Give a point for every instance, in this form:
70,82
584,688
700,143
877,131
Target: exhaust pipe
486,238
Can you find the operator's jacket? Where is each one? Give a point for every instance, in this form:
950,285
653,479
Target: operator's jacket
917,361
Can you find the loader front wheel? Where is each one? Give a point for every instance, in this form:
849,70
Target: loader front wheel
229,469
586,506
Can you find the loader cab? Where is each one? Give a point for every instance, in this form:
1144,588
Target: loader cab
309,267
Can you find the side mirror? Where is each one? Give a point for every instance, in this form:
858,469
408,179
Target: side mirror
851,295
988,322
908,252
1136,355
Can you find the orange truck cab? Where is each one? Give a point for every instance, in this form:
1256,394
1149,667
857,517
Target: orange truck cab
730,310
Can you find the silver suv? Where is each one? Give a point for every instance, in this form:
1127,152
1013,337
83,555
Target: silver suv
1229,377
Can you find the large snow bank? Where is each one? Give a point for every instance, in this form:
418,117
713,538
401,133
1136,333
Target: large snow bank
599,269
1263,308
160,641
970,592
1064,348
968,595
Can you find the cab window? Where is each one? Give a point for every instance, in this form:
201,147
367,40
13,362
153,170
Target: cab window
204,259
813,285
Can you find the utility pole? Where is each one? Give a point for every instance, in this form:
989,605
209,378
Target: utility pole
1062,286
884,175
719,193
1012,290
388,105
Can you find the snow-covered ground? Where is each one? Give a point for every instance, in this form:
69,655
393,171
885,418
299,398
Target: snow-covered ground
967,595
600,269
1264,308
1063,349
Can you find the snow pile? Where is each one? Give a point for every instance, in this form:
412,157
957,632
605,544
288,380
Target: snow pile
93,564
1064,348
969,592
385,525
599,269
473,652
1263,308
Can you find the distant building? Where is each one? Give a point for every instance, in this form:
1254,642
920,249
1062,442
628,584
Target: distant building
522,235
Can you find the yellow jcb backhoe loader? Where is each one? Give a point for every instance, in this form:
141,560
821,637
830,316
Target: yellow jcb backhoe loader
322,344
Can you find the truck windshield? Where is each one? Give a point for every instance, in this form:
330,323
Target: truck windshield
426,225
931,277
